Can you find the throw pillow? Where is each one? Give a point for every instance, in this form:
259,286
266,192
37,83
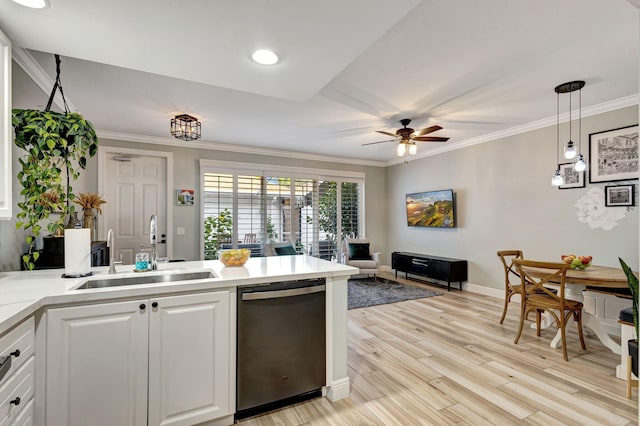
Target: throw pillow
359,251
285,250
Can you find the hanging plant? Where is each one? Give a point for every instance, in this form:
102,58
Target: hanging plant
54,142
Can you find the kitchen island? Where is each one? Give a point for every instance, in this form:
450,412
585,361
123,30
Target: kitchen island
144,332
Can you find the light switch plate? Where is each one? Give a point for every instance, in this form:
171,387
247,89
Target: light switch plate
180,230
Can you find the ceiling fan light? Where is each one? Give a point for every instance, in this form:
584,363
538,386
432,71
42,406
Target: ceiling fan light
557,179
413,149
402,149
570,151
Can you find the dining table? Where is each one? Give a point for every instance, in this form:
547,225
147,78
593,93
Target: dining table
576,281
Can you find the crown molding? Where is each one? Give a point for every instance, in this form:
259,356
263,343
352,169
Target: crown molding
613,105
217,146
23,58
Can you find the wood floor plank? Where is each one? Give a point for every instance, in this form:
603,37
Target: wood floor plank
446,360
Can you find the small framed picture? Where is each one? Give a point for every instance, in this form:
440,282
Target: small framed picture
185,197
572,179
619,195
613,155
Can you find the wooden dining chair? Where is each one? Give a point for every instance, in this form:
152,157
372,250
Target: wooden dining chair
546,300
511,277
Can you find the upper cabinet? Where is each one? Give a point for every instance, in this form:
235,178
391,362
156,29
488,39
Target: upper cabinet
6,131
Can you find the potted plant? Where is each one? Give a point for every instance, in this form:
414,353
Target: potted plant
53,142
632,280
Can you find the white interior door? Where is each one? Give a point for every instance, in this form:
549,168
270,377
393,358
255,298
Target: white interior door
135,188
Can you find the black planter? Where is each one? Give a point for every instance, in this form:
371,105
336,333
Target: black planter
633,351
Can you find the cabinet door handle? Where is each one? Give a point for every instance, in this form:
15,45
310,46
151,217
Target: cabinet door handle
143,306
15,353
15,401
154,305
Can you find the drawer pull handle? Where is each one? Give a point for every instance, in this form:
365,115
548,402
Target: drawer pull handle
154,305
143,306
15,353
16,401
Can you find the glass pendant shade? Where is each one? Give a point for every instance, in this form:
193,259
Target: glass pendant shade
570,151
557,179
413,149
580,165
402,149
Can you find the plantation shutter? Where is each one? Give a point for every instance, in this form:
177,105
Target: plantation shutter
249,214
217,212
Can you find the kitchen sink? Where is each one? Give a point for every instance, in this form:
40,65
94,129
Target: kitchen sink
146,279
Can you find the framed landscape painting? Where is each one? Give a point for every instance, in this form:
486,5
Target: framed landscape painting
572,179
613,155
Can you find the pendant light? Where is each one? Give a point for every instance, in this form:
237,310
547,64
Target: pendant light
580,165
557,178
570,149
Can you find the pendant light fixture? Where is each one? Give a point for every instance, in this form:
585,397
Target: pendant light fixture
557,178
570,151
580,165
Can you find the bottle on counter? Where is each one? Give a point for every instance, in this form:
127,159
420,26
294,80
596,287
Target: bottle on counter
142,260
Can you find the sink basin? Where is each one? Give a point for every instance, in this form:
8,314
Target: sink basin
145,279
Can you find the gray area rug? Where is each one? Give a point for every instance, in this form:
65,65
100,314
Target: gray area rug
365,292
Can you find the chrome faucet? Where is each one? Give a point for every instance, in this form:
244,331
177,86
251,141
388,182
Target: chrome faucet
112,251
153,240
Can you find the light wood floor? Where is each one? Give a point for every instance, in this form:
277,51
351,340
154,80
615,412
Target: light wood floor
446,360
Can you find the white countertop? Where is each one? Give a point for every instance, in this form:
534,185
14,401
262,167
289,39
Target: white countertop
23,293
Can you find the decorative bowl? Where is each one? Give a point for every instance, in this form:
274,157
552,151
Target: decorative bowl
234,257
576,262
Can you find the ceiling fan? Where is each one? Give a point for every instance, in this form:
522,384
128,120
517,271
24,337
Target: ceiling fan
407,137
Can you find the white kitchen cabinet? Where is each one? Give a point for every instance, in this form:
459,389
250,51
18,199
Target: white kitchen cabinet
17,383
189,359
6,129
96,367
110,364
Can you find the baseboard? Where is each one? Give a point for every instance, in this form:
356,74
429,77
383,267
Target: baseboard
385,268
498,293
339,389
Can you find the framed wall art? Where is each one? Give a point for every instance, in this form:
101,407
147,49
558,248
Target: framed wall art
572,179
619,195
185,197
613,155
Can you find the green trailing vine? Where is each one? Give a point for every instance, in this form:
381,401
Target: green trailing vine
53,142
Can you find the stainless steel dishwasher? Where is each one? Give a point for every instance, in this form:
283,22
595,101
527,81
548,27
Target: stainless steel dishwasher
281,345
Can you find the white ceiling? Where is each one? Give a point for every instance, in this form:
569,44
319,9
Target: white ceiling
348,67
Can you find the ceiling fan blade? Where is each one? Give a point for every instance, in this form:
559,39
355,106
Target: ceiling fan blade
386,133
430,139
374,143
427,130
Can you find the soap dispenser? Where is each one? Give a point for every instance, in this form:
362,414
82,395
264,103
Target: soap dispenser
142,260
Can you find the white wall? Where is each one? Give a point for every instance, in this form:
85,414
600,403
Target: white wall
504,200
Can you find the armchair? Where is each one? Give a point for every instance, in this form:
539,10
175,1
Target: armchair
281,248
357,252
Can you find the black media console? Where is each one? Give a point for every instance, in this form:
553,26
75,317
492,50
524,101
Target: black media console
435,267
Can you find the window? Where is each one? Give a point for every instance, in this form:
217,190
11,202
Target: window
248,209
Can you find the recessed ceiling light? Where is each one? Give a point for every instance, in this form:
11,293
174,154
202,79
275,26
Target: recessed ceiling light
33,4
265,57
